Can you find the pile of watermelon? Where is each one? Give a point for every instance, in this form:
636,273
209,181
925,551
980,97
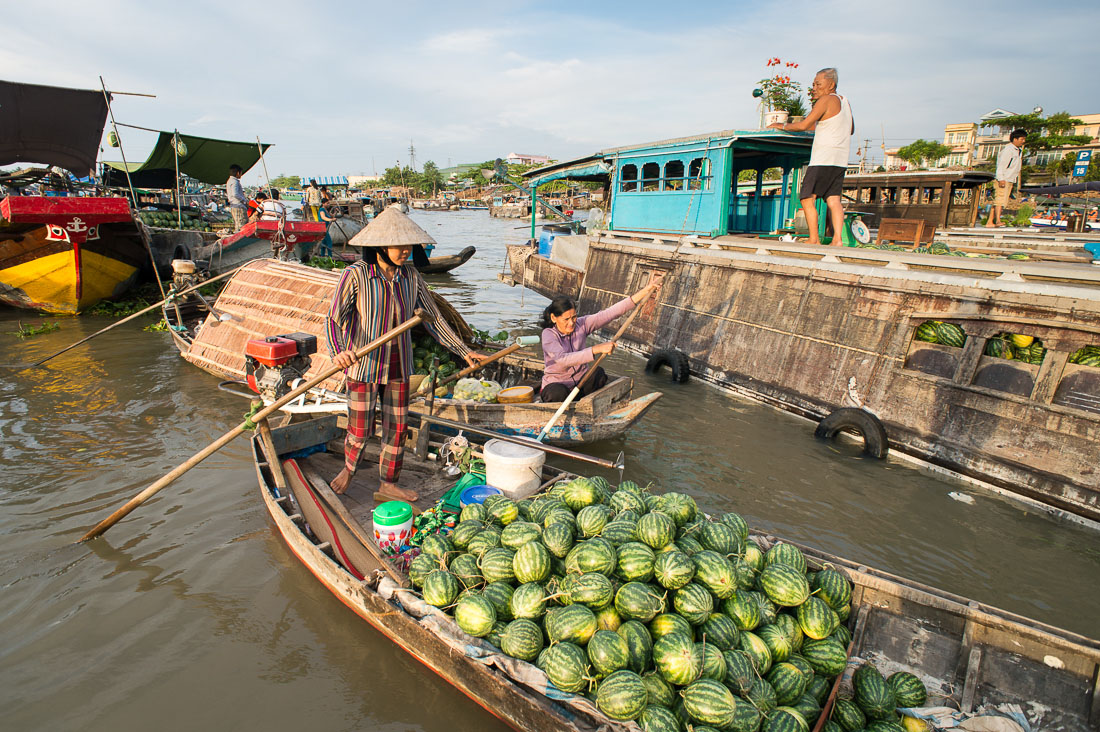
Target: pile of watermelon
1025,348
425,348
650,608
1087,356
936,331
169,220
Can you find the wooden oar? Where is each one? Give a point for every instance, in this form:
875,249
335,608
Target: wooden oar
419,317
129,318
591,369
520,343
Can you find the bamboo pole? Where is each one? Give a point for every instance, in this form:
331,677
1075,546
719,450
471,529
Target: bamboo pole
131,317
419,317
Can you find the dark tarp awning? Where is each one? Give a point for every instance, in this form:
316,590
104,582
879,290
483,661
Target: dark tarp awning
1092,185
51,125
207,160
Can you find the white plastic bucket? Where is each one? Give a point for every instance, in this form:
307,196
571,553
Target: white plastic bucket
514,469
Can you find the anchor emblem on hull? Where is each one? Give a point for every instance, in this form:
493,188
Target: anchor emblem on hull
77,225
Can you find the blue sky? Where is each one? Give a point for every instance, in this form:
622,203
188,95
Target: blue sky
342,88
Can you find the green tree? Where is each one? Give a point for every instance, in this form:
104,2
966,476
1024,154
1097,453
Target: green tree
1094,169
286,181
923,151
1043,133
431,180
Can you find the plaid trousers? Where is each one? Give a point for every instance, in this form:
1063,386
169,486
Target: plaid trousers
362,401
240,218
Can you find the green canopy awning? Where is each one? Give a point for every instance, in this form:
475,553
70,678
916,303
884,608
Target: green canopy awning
206,159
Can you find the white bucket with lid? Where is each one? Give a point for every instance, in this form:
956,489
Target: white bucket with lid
514,469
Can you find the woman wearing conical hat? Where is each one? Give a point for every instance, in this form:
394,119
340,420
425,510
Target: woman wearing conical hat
374,296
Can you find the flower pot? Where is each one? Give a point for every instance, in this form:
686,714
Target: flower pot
777,117
796,118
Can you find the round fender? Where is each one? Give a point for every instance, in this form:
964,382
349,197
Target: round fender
867,425
676,360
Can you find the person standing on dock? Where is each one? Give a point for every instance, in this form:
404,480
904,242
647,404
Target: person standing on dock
313,201
375,295
1009,162
833,126
237,200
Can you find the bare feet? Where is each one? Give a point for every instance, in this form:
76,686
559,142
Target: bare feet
392,490
341,482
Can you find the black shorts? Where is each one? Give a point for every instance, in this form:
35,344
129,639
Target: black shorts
822,181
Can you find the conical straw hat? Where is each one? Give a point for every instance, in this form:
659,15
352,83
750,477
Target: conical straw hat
391,228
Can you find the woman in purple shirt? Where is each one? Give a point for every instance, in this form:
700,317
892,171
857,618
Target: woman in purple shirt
563,343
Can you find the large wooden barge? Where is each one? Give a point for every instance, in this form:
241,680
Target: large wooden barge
818,330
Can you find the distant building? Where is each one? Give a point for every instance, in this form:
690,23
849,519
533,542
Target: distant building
355,180
517,159
960,138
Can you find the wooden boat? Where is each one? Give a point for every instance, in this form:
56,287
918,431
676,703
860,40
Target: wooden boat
829,333
940,198
257,240
973,655
440,264
62,254
268,297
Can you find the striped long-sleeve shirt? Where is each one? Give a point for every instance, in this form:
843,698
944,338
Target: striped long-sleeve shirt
366,305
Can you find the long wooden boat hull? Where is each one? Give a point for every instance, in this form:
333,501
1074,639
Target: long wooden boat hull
440,264
256,240
62,255
969,653
815,330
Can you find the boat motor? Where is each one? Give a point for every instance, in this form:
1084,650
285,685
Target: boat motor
272,364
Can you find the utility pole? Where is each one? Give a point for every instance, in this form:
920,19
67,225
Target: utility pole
412,156
863,158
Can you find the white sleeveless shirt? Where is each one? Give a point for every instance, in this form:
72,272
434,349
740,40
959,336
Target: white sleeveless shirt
833,137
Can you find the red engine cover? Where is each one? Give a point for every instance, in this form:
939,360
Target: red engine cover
272,351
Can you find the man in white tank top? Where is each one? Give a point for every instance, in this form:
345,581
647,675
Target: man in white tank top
833,126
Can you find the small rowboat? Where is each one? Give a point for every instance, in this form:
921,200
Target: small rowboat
972,655
269,298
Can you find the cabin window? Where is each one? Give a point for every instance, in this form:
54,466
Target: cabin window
674,175
903,196
629,177
936,360
1016,347
699,174
1080,386
888,195
651,176
864,195
937,195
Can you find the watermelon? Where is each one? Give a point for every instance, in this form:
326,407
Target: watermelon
709,702
950,334
625,500
999,347
475,615
743,610
483,541
785,719
752,556
769,611
592,589
639,645
789,683
673,569
592,519
761,695
714,663
637,601
790,626
688,546
494,636
518,533
581,492
777,641
593,555
497,565
531,563
558,539
752,644
909,691
886,725
658,719
808,707
744,575
842,635
873,695
719,630
440,588
818,688
715,572
560,515
607,618
619,532
738,524
660,691
528,601
721,538
786,554
465,568
622,696
740,671
500,595
675,658
573,623
419,568
926,331
834,588
666,623
746,718
565,664
680,507
826,657
438,546
608,653
465,531
636,561
848,715
502,511
816,619
693,602
784,585
656,529
522,639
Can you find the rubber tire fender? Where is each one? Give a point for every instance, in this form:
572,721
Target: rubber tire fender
675,359
875,442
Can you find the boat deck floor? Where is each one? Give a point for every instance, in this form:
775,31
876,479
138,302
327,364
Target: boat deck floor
423,476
